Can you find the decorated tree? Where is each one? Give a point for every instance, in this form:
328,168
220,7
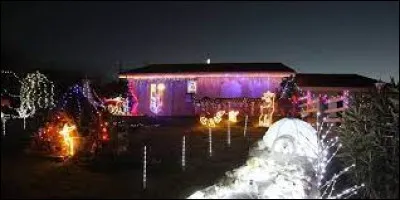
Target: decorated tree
289,95
36,93
371,139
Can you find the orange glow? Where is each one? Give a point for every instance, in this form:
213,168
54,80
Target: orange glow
59,134
66,132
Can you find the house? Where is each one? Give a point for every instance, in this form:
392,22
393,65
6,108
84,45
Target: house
176,89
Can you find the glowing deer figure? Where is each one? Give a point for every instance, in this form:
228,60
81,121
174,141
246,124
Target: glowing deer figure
267,109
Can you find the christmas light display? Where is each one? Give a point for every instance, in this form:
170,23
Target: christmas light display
7,76
289,97
66,132
37,92
210,141
192,76
218,116
58,136
278,169
212,121
144,167
228,140
25,112
79,100
232,115
4,118
91,95
246,119
265,119
117,106
156,97
135,100
9,72
72,101
183,161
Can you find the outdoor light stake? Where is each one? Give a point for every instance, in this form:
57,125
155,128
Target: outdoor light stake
210,141
4,127
229,133
245,125
183,152
144,167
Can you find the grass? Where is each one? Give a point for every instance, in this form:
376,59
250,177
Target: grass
29,176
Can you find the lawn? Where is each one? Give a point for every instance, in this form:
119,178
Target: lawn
27,176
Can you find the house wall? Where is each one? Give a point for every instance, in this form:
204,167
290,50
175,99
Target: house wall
233,87
176,102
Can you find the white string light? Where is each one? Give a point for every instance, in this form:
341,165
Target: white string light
229,134
328,187
4,119
209,141
183,152
144,167
4,90
245,125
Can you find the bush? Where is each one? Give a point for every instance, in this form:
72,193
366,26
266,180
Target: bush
370,137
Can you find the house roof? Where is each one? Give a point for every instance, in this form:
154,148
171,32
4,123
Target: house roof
213,67
334,80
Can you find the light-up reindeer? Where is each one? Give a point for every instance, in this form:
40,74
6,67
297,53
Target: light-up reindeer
267,109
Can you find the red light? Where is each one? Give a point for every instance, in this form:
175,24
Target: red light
104,130
105,137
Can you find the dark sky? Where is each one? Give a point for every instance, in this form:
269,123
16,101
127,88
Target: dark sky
316,37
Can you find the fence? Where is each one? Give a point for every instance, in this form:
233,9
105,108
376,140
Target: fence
329,109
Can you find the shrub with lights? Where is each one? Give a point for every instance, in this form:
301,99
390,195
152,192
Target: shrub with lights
80,114
36,93
58,137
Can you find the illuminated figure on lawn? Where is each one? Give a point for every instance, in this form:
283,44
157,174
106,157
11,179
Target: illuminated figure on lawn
232,116
267,109
210,121
290,162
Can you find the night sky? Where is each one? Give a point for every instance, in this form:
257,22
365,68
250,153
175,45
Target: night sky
314,37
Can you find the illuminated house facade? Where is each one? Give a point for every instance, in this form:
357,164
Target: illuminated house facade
167,89
172,89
